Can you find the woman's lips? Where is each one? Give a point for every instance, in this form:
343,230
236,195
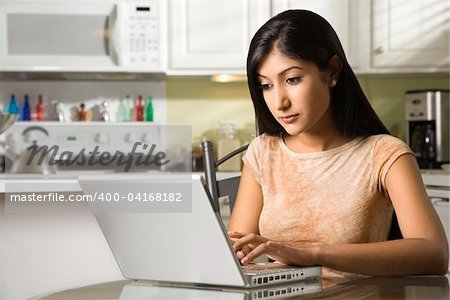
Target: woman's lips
289,118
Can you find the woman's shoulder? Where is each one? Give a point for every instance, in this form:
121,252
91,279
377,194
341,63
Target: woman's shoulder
384,141
266,141
385,149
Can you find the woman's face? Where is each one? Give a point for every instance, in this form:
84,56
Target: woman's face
297,93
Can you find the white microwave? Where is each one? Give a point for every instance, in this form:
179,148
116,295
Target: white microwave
82,35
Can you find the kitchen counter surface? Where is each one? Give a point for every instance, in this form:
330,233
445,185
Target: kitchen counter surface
61,182
67,181
420,287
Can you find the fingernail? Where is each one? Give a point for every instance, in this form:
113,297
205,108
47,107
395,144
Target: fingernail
244,260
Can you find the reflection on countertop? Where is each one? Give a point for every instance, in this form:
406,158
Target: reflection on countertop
415,287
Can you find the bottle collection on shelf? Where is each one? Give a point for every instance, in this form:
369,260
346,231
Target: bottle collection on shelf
128,110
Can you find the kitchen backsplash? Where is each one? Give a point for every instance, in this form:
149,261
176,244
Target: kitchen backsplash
201,103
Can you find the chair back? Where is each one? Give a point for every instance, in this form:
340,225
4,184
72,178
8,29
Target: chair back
220,188
228,188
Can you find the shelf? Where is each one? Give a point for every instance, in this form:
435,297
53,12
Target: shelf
80,76
81,123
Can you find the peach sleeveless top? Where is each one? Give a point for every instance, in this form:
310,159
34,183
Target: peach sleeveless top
328,197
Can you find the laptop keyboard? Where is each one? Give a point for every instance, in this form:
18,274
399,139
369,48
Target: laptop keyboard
259,269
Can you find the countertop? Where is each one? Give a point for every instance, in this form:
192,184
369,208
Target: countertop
62,182
66,181
417,287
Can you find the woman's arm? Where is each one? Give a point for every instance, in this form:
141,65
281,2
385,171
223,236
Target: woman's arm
248,206
423,250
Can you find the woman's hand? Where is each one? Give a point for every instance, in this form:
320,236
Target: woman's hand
250,246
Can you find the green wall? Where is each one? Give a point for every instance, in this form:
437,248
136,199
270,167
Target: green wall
386,93
201,103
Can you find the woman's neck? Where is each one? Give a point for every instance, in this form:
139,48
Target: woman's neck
309,142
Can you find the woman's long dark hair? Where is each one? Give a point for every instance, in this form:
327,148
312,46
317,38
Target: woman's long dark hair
302,34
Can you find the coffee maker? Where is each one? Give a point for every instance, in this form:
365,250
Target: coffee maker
427,116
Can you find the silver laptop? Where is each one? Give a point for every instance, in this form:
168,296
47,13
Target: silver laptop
184,242
141,290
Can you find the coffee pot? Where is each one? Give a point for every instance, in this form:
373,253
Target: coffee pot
428,126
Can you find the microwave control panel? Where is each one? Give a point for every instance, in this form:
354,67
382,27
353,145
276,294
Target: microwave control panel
143,38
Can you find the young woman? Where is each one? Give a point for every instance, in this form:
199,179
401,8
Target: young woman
321,182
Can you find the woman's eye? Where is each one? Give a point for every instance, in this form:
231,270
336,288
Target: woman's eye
293,80
265,86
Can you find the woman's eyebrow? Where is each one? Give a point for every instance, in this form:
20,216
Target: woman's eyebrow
289,69
282,72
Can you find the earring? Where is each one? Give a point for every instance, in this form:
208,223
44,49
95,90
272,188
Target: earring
333,82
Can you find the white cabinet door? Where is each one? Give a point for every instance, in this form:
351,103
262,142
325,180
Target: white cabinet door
341,14
210,36
410,34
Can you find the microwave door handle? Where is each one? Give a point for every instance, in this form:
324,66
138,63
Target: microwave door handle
111,38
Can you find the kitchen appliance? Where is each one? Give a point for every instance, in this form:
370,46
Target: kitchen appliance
23,163
437,184
428,117
82,36
100,146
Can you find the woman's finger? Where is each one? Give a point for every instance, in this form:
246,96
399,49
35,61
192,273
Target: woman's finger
235,234
240,255
257,251
249,239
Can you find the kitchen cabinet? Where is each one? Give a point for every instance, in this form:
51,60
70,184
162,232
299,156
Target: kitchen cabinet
410,35
209,37
378,36
212,36
343,15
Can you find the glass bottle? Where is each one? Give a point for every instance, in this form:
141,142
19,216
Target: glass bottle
139,109
26,112
124,110
249,133
12,107
227,143
149,110
40,109
197,155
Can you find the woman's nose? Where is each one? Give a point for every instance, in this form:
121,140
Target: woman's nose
280,99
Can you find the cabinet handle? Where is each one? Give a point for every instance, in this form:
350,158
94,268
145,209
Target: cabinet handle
378,50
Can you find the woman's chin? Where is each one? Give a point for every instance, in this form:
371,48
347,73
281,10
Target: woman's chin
293,131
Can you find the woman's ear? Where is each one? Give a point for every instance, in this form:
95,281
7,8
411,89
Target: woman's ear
334,69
